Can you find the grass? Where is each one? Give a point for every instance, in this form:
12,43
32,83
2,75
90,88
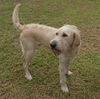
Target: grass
84,84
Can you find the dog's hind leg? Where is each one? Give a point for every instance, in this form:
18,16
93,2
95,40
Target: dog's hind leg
66,67
28,47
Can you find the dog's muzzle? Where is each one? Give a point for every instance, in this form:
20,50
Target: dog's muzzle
53,46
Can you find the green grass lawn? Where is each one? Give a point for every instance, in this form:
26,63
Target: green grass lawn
83,84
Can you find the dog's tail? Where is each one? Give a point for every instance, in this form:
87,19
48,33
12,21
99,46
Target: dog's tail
15,18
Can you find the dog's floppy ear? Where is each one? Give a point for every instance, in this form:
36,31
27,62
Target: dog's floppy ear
76,40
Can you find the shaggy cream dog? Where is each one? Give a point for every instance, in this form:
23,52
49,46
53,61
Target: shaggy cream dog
64,42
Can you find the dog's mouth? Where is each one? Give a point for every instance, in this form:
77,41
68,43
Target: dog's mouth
56,51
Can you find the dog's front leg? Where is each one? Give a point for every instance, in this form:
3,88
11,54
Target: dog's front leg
63,61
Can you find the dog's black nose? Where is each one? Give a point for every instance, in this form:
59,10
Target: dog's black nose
53,44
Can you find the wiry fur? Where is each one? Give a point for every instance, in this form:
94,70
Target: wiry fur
34,34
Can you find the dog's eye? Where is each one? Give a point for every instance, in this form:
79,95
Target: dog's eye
56,33
64,35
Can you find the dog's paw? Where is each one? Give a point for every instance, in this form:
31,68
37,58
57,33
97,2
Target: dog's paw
70,73
64,89
28,77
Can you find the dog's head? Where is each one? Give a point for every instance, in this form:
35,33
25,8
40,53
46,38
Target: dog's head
67,37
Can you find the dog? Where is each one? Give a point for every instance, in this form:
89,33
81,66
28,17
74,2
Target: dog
64,42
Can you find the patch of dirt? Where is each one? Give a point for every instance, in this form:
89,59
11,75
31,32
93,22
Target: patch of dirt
46,97
92,38
20,0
